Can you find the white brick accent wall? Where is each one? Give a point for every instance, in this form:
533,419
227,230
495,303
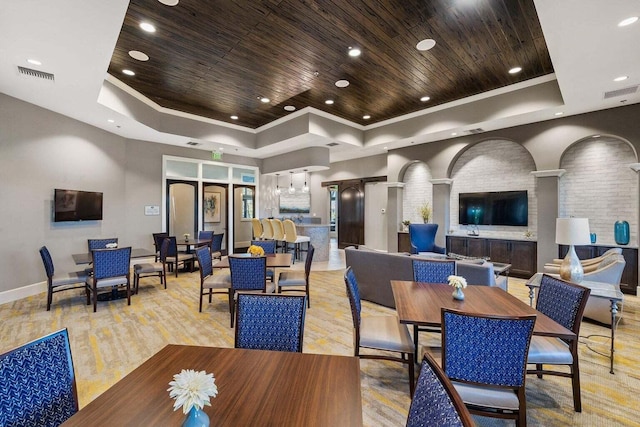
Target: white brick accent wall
494,165
599,185
418,190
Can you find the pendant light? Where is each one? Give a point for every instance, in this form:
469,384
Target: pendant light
305,189
277,185
291,189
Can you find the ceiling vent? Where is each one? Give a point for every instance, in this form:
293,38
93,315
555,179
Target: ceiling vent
35,73
193,144
476,131
332,144
621,92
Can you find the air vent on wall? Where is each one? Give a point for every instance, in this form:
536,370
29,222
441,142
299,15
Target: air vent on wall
35,73
192,143
621,92
476,131
332,144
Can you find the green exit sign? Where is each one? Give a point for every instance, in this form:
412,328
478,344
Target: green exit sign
216,155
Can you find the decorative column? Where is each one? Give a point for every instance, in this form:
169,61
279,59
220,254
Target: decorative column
394,214
442,208
547,195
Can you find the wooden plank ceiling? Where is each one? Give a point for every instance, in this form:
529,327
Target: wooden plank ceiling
216,58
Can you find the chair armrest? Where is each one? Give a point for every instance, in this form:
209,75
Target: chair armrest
551,268
414,249
438,249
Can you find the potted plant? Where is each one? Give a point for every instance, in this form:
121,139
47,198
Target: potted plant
405,224
425,212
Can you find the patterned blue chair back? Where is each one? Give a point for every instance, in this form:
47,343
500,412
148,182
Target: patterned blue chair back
38,383
562,301
47,261
216,242
433,271
486,349
248,273
436,401
207,235
270,322
94,244
354,296
111,262
172,249
269,246
204,261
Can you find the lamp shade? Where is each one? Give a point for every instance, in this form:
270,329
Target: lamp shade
572,231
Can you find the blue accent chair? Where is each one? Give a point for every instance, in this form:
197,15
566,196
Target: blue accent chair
62,281
563,302
213,283
384,333
436,401
248,274
110,269
38,383
486,357
423,239
270,322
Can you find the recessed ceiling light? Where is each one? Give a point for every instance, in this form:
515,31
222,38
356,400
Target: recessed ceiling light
169,2
140,56
111,121
234,117
426,44
559,113
515,70
342,83
425,98
128,72
354,51
147,27
627,21
222,149
34,62
329,101
454,133
366,117
385,148
621,78
289,108
264,100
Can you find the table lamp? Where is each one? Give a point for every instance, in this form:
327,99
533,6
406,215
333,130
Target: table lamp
572,231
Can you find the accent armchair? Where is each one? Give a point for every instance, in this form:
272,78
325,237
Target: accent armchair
423,239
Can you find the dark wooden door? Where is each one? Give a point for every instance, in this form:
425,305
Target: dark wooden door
350,213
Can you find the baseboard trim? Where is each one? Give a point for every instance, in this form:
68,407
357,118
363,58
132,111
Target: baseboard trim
23,292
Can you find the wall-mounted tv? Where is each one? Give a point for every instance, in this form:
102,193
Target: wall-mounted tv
74,205
494,208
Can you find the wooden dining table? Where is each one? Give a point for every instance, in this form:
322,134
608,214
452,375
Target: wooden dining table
85,258
255,387
421,303
277,260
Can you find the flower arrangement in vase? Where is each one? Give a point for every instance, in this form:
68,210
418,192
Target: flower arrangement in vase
405,224
255,250
191,391
186,237
425,212
459,283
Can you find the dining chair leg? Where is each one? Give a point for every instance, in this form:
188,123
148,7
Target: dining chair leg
412,381
415,341
575,382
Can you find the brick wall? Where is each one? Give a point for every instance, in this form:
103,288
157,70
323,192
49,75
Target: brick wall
418,190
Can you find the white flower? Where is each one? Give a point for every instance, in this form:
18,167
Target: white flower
457,281
190,388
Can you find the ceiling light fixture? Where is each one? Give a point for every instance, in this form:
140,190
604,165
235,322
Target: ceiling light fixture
354,52
627,21
515,70
149,28
425,44
289,108
621,78
111,121
264,100
140,56
425,98
559,113
291,189
305,189
342,83
234,117
366,117
169,2
329,102
277,185
34,62
454,133
128,72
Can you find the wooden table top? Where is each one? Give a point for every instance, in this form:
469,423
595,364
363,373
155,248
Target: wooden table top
420,303
193,242
255,387
135,253
273,260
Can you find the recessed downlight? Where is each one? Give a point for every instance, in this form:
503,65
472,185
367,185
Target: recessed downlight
620,78
111,121
140,56
515,70
342,83
426,44
425,98
289,108
366,117
329,102
628,21
234,117
265,100
454,133
149,28
169,2
559,113
354,51
34,61
128,72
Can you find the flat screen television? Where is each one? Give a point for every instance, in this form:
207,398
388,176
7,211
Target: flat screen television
74,205
494,208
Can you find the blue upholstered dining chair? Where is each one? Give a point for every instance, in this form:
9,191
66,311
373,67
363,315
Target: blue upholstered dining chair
269,247
175,258
563,302
436,401
216,245
384,333
211,283
61,281
38,383
294,280
93,244
158,238
270,322
248,274
110,269
150,269
485,357
430,271
423,238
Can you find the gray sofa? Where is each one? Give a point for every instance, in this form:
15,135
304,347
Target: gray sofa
374,271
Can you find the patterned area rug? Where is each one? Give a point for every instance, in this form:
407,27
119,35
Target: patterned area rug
110,343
